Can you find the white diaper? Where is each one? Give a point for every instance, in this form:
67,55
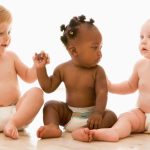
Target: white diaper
5,114
79,117
147,123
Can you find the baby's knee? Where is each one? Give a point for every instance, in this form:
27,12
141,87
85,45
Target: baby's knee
51,105
38,93
111,116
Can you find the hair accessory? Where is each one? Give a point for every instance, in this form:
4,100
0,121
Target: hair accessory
71,32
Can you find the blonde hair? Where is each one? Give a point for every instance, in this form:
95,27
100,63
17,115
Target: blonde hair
5,15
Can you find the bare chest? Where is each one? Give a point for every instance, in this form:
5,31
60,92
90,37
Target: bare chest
144,78
80,79
7,70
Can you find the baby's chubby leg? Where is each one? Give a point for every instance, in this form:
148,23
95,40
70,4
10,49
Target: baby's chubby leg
26,109
55,113
120,129
86,135
127,123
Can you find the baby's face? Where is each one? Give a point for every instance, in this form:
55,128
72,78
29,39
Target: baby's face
144,45
4,36
88,46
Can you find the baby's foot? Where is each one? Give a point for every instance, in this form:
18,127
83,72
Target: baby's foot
83,134
11,131
108,134
49,131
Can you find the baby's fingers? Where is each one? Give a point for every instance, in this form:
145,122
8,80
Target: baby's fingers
48,59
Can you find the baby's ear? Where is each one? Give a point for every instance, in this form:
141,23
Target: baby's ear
72,50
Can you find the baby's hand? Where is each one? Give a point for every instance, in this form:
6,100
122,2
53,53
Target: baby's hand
94,121
41,59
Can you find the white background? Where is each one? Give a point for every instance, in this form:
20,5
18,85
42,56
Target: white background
36,27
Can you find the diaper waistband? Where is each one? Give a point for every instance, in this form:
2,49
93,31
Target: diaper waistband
7,107
83,109
82,112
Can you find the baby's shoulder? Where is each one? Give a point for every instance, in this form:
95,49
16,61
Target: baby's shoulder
65,64
141,62
61,67
10,54
99,68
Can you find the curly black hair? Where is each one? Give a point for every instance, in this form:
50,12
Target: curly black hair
71,30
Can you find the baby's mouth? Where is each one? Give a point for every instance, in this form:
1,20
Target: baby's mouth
4,45
144,49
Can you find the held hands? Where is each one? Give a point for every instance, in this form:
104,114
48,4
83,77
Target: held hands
94,121
41,59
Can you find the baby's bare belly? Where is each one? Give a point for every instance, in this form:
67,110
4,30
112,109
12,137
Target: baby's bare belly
9,94
144,102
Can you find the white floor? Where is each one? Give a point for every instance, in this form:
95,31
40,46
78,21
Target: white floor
29,141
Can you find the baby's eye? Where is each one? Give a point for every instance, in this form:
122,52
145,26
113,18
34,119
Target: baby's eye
141,37
149,36
95,47
9,32
1,33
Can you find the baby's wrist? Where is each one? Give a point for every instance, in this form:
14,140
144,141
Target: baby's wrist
98,112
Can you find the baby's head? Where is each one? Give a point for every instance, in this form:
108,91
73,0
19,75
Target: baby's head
83,41
144,45
5,25
5,15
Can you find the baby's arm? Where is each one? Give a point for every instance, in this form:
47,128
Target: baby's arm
125,87
47,83
27,74
95,119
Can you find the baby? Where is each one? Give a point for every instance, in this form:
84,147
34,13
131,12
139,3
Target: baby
16,111
138,119
84,79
